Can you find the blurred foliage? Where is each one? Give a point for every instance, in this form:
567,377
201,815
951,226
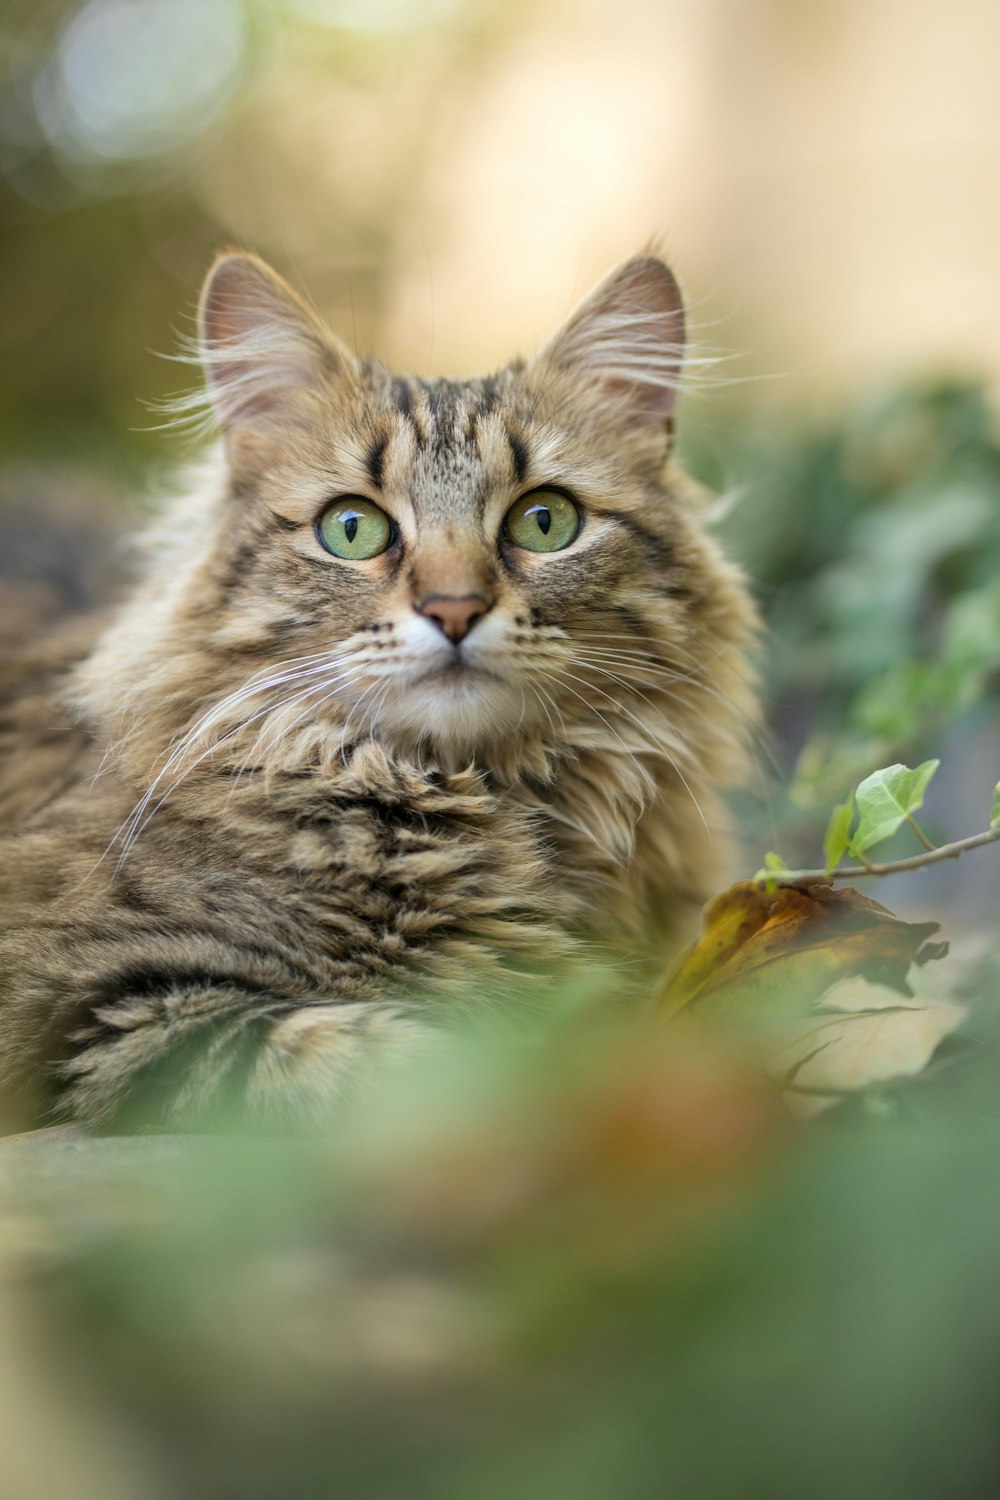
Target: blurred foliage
874,545
605,1266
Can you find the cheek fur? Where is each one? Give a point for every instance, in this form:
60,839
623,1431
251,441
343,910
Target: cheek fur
567,586
268,590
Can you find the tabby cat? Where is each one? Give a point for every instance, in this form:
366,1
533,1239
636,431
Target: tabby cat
428,691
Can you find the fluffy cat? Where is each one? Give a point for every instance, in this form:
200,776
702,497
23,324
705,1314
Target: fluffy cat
428,692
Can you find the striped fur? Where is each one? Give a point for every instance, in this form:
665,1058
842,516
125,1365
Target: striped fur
295,828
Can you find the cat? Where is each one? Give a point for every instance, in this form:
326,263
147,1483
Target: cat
429,691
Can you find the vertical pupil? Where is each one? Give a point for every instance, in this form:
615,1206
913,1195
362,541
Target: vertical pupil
350,527
544,519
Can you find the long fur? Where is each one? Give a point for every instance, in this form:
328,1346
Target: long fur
290,828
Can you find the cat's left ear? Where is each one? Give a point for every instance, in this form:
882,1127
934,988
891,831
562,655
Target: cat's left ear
261,347
628,335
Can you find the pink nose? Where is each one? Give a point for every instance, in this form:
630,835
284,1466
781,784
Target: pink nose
455,617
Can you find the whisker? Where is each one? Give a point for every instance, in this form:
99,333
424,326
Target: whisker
699,664
737,709
631,687
140,815
557,674
656,741
213,715
544,702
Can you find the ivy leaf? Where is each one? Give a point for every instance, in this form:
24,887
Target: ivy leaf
886,799
995,814
838,833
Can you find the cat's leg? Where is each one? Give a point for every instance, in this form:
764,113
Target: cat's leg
202,1056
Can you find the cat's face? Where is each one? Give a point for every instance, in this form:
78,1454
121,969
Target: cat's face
459,565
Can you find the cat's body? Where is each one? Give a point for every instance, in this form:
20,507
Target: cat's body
297,800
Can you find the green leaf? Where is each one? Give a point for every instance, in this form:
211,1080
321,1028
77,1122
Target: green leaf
838,833
995,814
886,799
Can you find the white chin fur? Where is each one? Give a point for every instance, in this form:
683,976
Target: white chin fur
457,708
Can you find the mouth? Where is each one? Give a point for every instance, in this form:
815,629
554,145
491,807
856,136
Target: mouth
457,669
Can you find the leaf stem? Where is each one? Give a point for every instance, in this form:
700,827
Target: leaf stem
932,856
921,835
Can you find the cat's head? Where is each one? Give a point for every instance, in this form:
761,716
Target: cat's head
450,567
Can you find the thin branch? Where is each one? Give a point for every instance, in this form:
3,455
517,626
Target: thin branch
893,867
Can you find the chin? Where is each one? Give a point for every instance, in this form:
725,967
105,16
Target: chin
458,711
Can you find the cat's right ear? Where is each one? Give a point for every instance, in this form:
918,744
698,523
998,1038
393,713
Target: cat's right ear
261,348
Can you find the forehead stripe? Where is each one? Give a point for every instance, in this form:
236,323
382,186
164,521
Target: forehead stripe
375,459
519,452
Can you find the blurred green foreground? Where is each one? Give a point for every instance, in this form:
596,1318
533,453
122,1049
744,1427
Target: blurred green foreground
593,1263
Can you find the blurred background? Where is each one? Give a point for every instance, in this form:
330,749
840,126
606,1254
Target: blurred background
444,179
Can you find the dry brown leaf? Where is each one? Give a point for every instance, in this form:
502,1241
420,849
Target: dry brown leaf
781,948
765,958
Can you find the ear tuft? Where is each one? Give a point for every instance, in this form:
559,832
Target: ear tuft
259,343
629,335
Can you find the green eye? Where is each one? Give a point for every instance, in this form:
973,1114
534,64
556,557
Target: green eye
544,521
355,528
